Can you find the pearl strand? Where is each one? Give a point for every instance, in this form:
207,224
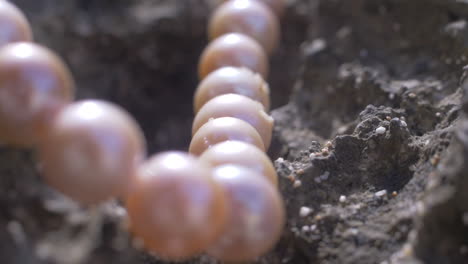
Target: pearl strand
224,203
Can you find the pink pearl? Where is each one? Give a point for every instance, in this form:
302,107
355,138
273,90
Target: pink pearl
34,85
92,151
255,215
248,17
175,207
13,24
235,50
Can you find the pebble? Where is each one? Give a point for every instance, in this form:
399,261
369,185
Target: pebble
297,184
342,199
316,46
280,160
381,193
380,130
305,211
403,123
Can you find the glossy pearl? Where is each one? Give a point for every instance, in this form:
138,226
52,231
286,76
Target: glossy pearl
92,151
175,207
238,106
232,80
241,154
248,17
13,24
222,129
255,215
34,85
277,6
235,50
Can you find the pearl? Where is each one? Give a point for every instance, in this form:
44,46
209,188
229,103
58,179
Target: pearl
175,207
241,154
34,85
238,106
277,6
222,129
13,24
251,18
92,151
232,80
236,50
255,215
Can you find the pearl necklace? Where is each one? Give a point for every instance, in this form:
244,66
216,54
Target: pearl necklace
220,198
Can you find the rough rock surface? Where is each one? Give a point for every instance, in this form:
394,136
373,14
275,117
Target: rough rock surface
371,135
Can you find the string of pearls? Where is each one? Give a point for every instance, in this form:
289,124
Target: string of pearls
221,198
